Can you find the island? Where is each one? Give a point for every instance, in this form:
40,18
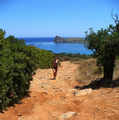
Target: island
59,39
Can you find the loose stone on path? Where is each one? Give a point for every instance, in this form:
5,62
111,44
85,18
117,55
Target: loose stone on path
67,115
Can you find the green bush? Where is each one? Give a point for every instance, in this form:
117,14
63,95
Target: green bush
42,58
17,65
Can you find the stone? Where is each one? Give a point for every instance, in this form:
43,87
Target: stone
83,92
67,115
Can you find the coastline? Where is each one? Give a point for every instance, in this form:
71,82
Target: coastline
58,47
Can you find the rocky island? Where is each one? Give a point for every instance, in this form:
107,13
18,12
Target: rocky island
59,39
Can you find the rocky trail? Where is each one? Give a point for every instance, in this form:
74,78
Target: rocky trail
58,100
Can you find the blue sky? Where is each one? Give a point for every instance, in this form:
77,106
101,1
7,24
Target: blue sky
48,18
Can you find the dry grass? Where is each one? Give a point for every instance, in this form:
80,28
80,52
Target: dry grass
88,71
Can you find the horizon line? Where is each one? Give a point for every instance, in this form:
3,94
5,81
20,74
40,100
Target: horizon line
48,37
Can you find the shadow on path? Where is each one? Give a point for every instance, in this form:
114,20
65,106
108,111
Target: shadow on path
100,83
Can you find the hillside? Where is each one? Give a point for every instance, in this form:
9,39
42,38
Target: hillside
61,99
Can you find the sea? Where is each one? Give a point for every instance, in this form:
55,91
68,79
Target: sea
48,43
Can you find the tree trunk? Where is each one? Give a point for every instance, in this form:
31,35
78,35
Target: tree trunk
109,70
108,73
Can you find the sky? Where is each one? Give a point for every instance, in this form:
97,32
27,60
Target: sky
48,18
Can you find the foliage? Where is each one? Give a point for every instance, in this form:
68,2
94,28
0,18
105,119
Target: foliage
71,57
41,58
17,65
105,44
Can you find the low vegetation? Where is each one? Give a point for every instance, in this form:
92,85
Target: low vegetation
90,75
72,57
18,63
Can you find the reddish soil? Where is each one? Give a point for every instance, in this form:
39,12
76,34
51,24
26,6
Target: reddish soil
49,99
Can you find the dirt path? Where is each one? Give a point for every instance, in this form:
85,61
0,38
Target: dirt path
50,99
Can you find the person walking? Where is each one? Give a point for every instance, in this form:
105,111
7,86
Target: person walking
55,66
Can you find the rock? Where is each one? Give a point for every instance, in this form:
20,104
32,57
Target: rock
19,114
58,39
83,92
67,115
21,118
71,92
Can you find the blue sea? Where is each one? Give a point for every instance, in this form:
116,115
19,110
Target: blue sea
49,44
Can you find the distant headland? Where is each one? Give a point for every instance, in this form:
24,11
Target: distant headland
59,39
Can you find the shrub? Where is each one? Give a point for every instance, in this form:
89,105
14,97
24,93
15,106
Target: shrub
41,58
17,64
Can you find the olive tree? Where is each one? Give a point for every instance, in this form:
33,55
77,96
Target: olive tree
105,45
